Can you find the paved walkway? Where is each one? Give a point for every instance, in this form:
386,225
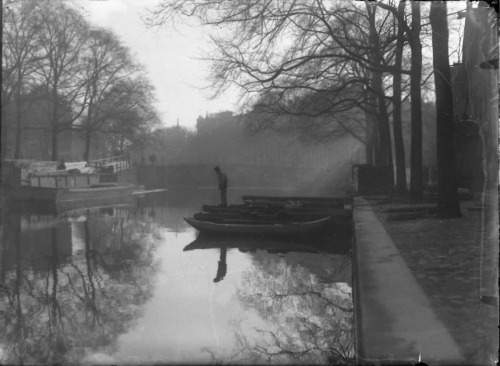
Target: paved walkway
396,321
455,263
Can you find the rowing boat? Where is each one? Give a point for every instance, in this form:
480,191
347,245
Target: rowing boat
339,217
261,227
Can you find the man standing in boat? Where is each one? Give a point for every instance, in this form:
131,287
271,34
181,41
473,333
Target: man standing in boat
222,186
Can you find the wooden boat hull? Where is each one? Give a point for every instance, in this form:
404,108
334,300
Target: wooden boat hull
277,205
96,193
70,198
339,217
251,227
316,200
298,211
338,221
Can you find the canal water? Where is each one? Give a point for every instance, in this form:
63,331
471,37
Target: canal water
117,285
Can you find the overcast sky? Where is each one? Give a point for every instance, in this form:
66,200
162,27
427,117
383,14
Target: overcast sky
169,58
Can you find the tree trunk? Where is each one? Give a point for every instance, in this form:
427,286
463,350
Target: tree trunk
396,119
384,131
88,134
377,155
384,134
17,142
5,134
448,202
373,135
416,180
54,119
3,146
55,134
122,144
382,116
369,140
17,148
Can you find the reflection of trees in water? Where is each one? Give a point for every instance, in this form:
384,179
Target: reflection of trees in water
66,310
310,321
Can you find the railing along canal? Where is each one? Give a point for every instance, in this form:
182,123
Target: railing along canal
119,163
63,181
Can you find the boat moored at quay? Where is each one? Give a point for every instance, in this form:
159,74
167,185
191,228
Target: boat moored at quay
275,216
41,182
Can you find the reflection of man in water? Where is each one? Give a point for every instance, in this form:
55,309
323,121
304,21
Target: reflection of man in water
222,186
222,268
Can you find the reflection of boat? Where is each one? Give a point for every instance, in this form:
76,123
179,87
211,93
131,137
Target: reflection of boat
311,244
259,227
37,218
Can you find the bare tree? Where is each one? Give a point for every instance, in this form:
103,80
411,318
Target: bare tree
128,113
19,53
413,34
332,57
106,64
290,48
382,115
63,41
448,201
416,183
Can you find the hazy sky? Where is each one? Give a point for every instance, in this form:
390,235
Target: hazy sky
169,57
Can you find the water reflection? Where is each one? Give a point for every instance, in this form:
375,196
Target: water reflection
309,319
71,282
335,243
168,208
222,267
300,288
135,284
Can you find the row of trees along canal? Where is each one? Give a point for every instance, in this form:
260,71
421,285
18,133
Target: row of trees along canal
68,75
330,67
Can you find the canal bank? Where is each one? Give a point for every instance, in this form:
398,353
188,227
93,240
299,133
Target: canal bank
416,290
